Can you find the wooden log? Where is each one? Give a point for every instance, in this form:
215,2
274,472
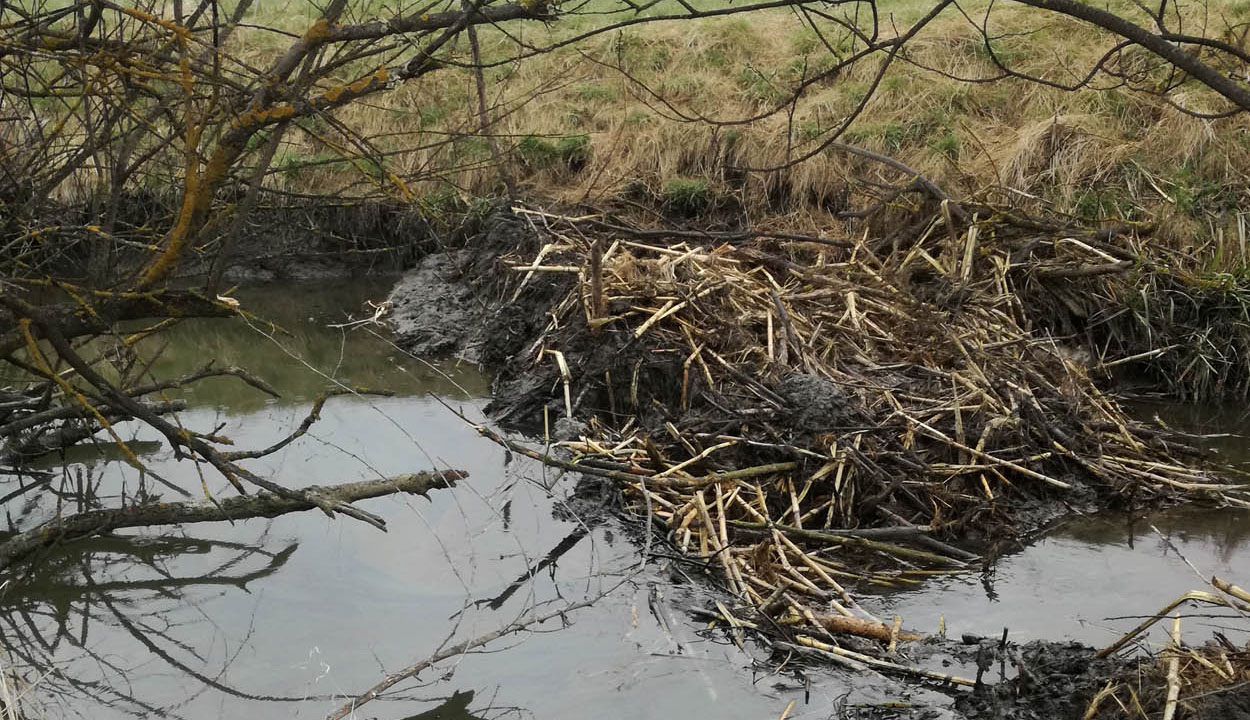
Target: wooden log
264,504
839,624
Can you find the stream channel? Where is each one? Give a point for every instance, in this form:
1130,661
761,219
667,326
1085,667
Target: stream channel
287,618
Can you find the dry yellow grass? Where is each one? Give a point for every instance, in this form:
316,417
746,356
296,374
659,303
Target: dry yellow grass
634,95
634,102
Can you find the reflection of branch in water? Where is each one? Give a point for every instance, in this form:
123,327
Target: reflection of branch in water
52,609
455,707
550,559
142,636
67,591
536,616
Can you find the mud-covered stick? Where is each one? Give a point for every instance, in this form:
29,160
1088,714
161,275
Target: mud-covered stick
883,665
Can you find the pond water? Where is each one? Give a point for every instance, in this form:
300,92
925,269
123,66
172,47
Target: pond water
1091,580
290,617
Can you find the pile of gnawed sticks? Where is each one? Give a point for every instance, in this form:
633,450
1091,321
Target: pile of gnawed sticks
810,415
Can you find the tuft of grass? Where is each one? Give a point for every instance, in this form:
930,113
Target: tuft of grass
948,144
637,117
804,41
688,195
442,201
470,149
1199,196
1103,204
758,87
431,115
596,92
996,49
539,153
894,84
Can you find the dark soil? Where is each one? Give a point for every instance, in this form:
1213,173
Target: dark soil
332,242
463,302
1057,681
1048,681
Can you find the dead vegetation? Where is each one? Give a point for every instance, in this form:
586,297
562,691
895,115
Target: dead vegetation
809,417
650,106
1182,681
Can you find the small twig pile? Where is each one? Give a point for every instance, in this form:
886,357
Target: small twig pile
807,415
1182,681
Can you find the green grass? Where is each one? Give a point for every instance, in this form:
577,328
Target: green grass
688,195
541,153
964,136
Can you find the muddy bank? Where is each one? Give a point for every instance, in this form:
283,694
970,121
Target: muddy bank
807,420
456,301
462,301
327,242
1060,681
290,241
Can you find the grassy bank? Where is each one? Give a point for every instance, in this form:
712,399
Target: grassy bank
618,117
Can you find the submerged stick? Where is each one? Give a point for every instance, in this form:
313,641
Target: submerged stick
461,649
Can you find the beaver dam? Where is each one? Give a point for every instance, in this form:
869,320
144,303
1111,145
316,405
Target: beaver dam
808,420
293,617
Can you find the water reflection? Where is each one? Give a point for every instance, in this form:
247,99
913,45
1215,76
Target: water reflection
1222,535
240,620
305,339
1221,427
1092,579
455,707
64,623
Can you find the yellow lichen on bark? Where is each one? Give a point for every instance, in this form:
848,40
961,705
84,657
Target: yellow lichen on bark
318,32
255,118
186,78
194,200
45,367
182,31
361,86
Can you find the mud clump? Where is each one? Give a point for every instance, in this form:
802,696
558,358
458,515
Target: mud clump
456,301
1053,681
433,311
814,403
1061,681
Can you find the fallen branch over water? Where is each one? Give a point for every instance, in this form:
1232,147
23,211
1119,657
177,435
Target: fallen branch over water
260,505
